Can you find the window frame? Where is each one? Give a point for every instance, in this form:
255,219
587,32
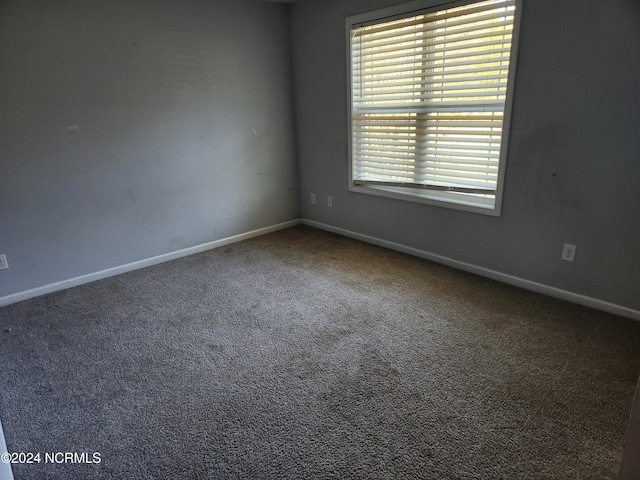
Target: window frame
433,197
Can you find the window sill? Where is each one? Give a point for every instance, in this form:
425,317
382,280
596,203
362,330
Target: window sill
456,201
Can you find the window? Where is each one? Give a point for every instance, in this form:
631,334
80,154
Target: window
430,102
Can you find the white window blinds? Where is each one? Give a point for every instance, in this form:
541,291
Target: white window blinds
428,99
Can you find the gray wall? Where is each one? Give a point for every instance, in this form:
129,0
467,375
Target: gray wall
127,130
573,163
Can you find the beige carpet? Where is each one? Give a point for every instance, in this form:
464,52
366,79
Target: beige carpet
302,354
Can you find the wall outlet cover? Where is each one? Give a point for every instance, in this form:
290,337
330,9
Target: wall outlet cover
568,252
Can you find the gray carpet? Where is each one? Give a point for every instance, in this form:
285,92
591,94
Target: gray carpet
302,354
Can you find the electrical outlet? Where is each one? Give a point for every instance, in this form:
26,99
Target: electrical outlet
568,252
313,198
329,202
3,262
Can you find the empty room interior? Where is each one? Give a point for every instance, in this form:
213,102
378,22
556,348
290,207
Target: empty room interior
322,239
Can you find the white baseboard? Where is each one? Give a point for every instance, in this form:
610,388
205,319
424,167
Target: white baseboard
5,468
110,272
485,272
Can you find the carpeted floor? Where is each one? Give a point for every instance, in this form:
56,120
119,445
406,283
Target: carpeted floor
302,354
